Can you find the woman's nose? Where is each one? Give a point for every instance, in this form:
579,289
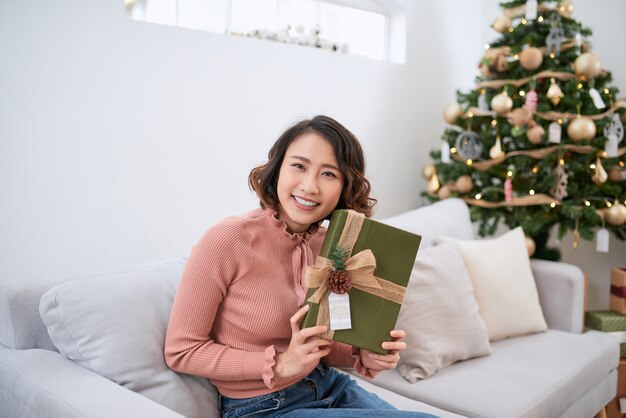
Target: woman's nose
309,184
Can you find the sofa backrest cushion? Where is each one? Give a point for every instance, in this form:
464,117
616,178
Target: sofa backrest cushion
21,327
115,325
449,217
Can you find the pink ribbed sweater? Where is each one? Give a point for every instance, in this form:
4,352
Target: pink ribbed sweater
231,313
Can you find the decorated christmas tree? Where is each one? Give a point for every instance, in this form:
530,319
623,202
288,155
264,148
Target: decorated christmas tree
537,142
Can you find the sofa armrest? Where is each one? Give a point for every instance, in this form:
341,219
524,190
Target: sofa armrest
561,290
38,383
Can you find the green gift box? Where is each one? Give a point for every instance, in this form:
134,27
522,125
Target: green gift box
372,316
607,321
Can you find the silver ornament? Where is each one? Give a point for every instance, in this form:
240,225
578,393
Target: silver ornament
468,145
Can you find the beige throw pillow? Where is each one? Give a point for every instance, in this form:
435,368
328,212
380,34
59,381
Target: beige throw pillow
439,315
504,285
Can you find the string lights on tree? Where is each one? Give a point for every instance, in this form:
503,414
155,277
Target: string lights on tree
539,141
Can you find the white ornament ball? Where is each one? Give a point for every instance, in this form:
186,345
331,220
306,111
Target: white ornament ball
587,65
452,112
531,58
581,129
501,103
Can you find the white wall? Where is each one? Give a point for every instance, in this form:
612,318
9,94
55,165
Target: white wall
121,141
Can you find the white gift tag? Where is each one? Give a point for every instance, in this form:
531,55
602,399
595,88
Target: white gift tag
610,146
482,102
445,152
339,310
554,133
597,99
531,9
602,240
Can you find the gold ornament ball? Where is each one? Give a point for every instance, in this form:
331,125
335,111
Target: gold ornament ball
581,128
501,24
520,116
616,214
464,184
531,58
452,112
587,65
501,103
443,192
530,246
617,173
535,134
428,171
566,8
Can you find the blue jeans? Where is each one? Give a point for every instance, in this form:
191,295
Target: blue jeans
324,391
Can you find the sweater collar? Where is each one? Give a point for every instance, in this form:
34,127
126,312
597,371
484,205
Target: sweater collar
281,225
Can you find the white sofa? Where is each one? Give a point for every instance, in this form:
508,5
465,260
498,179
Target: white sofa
110,329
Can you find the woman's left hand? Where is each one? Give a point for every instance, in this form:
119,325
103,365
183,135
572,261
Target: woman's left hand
387,361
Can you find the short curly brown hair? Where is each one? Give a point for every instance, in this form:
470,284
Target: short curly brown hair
356,188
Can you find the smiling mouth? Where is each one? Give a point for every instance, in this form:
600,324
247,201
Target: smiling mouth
304,202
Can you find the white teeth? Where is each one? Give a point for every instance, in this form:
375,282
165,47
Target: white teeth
305,202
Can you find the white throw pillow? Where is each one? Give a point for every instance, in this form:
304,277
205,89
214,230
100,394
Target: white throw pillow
439,315
115,325
504,284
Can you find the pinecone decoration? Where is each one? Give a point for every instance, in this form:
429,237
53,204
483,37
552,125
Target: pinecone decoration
339,282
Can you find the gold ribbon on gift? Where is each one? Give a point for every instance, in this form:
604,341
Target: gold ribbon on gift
360,266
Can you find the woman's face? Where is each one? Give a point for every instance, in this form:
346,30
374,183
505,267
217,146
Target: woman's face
309,182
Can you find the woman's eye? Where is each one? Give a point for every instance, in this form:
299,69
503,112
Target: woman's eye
298,166
329,174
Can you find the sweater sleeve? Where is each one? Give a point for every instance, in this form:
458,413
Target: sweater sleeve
344,355
222,255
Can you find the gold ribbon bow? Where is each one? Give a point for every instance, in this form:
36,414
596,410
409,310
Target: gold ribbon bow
360,266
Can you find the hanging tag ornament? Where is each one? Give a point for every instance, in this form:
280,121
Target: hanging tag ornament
614,133
531,9
602,240
482,101
597,99
554,133
445,152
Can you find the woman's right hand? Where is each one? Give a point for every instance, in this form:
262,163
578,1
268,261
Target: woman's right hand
304,348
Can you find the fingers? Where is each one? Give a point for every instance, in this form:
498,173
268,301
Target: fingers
297,317
312,331
385,361
394,346
397,334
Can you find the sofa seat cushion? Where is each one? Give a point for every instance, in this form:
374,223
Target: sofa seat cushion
538,376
